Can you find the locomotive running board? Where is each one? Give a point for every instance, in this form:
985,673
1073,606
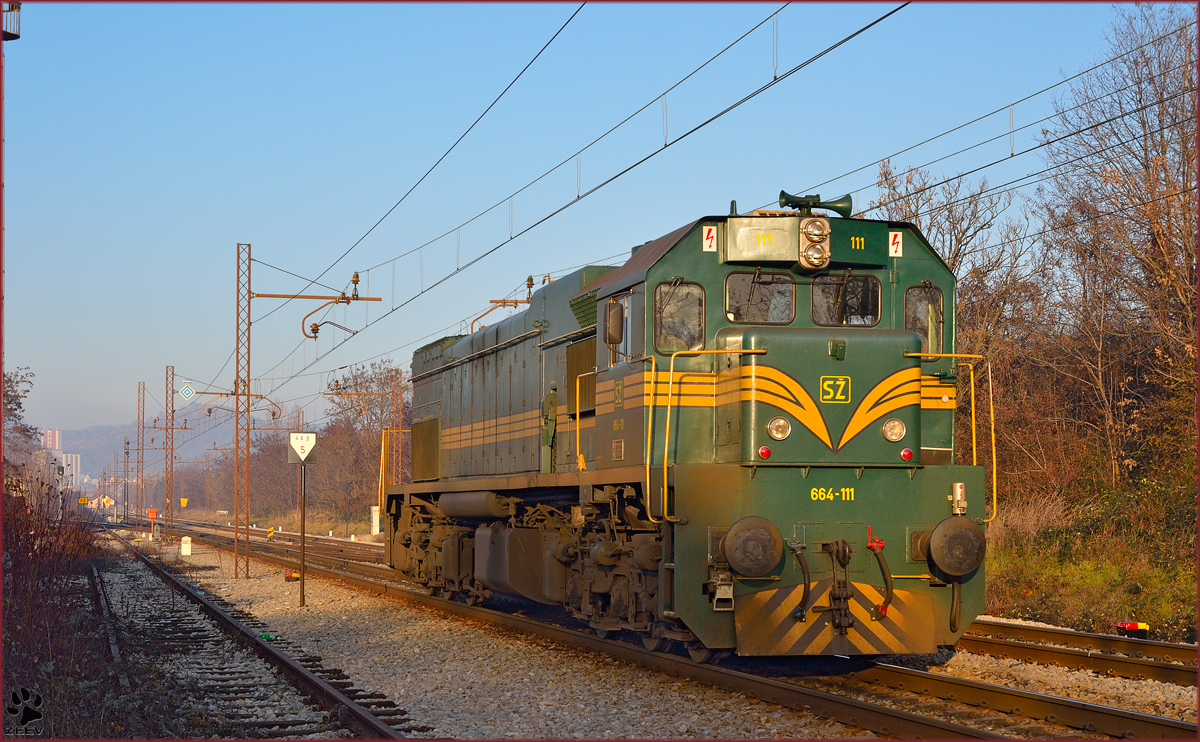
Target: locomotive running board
766,622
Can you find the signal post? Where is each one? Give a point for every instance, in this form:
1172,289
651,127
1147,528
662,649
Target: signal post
300,448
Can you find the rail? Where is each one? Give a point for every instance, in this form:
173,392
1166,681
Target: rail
991,412
1088,717
1153,649
359,718
1077,714
846,710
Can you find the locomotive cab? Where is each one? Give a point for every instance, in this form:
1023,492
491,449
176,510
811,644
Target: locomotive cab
741,439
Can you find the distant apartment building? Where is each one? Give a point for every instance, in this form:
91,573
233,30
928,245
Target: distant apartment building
51,439
72,470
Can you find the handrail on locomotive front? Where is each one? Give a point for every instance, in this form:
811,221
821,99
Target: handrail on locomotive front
580,463
667,436
991,410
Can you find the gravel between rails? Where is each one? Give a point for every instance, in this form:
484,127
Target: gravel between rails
221,688
1144,696
467,679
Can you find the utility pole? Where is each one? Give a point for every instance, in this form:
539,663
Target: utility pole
241,436
242,395
169,429
214,448
125,479
140,502
169,447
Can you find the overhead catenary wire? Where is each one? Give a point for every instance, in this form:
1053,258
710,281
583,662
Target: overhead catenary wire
626,170
1046,173
929,140
1007,106
1078,222
458,229
585,148
1012,154
1034,148
1001,109
439,160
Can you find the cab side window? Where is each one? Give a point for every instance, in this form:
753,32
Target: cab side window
678,316
842,300
923,315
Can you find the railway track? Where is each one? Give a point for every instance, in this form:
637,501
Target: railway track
1123,656
238,686
892,700
1115,655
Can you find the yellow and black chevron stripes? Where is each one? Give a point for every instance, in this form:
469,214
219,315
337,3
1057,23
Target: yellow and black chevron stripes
937,395
771,386
766,625
901,389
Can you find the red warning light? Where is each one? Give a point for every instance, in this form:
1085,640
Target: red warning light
765,452
906,454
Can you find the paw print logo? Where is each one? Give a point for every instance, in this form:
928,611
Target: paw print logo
24,707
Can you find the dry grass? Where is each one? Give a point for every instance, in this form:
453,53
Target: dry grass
51,645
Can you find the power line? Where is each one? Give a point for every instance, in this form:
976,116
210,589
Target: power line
1076,223
1049,172
439,161
993,113
1002,135
618,175
1046,143
311,282
587,146
545,174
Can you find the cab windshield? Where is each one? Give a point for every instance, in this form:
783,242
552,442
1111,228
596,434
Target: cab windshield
760,298
845,299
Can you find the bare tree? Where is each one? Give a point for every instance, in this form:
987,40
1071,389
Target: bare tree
1121,206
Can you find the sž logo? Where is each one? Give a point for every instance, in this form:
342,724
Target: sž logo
835,389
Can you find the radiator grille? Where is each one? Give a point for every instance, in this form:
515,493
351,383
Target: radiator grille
426,449
581,359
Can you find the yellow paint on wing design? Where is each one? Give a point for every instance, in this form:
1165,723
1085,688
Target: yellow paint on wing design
901,389
771,386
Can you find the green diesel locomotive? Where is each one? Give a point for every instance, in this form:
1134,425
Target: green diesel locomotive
742,439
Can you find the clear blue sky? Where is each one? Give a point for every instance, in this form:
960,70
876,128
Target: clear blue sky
144,141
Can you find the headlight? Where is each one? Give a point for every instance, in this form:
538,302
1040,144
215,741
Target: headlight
893,429
779,428
815,229
814,256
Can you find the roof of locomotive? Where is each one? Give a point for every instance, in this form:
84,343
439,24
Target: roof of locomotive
644,257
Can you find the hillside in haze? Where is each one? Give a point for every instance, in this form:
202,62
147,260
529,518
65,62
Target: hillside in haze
96,445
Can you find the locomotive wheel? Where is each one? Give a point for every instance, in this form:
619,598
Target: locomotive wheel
654,643
472,599
603,633
699,653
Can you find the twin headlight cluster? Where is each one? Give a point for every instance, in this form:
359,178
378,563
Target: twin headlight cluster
893,429
814,242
